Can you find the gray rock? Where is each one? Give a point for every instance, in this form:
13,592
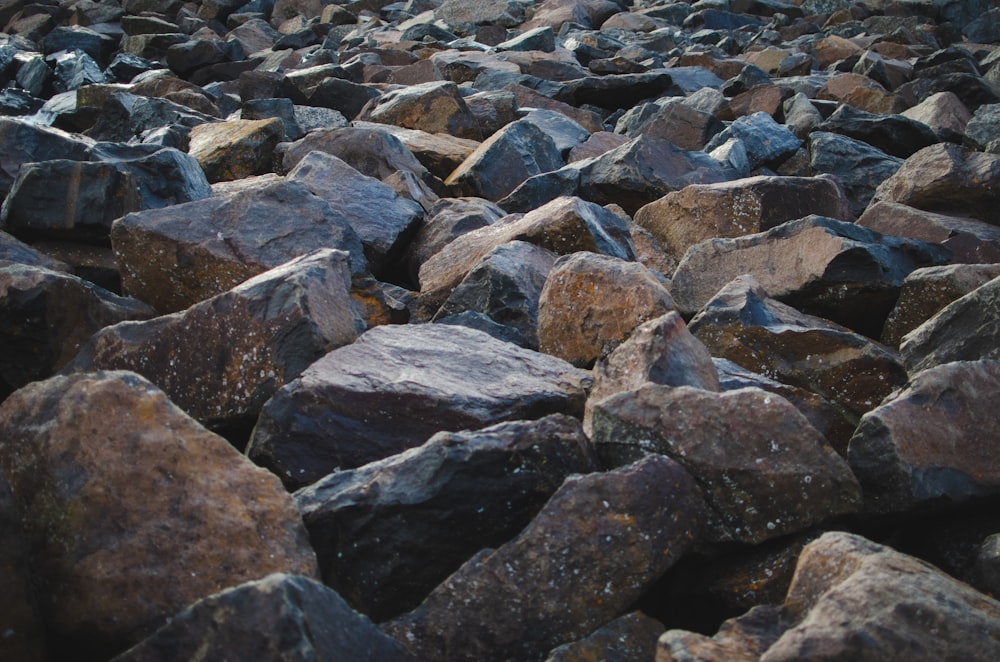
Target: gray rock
766,142
28,142
628,638
896,135
860,167
435,107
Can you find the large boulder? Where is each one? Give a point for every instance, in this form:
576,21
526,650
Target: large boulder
26,142
237,148
435,107
968,240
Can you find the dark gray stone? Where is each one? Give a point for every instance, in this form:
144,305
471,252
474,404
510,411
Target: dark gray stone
859,166
895,135
766,142
29,142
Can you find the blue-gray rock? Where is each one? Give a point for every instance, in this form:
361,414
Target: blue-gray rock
25,141
766,141
895,135
859,167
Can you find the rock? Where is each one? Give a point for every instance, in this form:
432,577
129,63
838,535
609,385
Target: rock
763,335
681,124
944,113
27,142
563,226
764,471
967,240
766,142
965,330
344,96
863,93
565,132
434,107
504,160
616,90
221,359
536,592
22,627
166,177
946,178
47,316
322,421
845,263
926,291
235,149
896,135
387,533
457,14
983,130
597,144
125,117
801,116
13,250
382,219
506,286
275,618
628,638
445,221
699,212
859,167
124,545
854,599
987,558
931,442
175,257
439,153
591,304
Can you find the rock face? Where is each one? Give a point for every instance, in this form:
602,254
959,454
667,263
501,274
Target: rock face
394,387
23,638
386,549
124,544
544,579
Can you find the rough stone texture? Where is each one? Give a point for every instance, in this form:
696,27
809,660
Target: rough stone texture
47,316
435,107
967,239
947,178
387,533
506,286
15,251
896,135
860,167
932,441
763,335
766,142
124,500
822,266
537,591
279,617
926,291
764,471
563,226
235,149
698,212
221,359
628,638
445,221
944,113
175,257
22,628
591,304
394,387
439,153
741,639
27,142
965,330
382,219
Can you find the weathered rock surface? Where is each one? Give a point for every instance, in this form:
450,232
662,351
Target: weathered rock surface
394,387
860,167
22,626
387,533
124,544
279,617
629,638
536,592
235,149
968,240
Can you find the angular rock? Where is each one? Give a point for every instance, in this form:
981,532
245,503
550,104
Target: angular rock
445,221
766,142
628,638
175,257
896,135
763,335
235,149
23,638
275,618
221,359
926,291
387,533
439,153
947,178
506,286
395,387
859,167
13,250
699,212
745,637
824,267
616,90
434,107
965,330
166,177
967,240
28,142
683,125
128,117
504,160
565,132
458,14
537,591
125,543
382,219
944,113
47,316
591,304
764,471
932,442
563,226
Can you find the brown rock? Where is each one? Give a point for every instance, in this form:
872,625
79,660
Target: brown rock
22,627
764,471
926,291
861,92
683,125
13,250
592,550
125,500
944,112
759,98
438,152
933,441
591,304
830,49
395,387
698,212
968,240
628,638
598,143
528,98
741,639
435,107
237,148
445,221
745,326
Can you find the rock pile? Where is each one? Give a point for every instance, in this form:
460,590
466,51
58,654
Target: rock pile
488,330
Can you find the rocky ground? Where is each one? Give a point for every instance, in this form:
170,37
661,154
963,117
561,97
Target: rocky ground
499,330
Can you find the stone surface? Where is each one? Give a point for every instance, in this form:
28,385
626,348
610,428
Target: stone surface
27,142
535,592
445,221
764,471
387,533
967,240
944,113
591,304
235,149
766,142
123,545
434,107
275,618
832,263
394,387
896,135
22,626
628,638
860,167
